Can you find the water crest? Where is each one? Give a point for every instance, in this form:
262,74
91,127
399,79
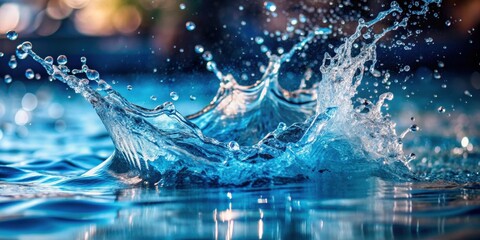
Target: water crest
257,134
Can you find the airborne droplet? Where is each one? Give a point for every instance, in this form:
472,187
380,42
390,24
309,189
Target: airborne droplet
190,26
174,96
13,62
207,56
199,49
62,60
92,74
12,35
29,74
270,6
7,79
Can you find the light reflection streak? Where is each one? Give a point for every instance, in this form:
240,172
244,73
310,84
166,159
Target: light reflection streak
216,223
260,229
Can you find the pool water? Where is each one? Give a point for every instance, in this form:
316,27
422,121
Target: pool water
36,202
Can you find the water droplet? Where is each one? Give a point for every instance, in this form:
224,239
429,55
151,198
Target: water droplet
240,8
38,76
174,96
62,60
441,64
441,109
193,98
428,40
49,60
13,62
29,74
280,50
207,56
199,49
270,6
444,85
448,23
2,54
26,46
153,98
232,145
7,79
83,60
412,118
182,6
129,87
293,21
436,74
414,128
102,85
244,77
263,48
468,93
259,40
302,18
211,66
12,35
92,74
20,53
190,26
406,68
375,73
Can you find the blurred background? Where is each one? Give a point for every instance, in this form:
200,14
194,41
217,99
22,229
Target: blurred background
151,34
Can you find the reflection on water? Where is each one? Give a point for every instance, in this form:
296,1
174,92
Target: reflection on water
368,209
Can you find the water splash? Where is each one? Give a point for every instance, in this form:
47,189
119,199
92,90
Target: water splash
257,134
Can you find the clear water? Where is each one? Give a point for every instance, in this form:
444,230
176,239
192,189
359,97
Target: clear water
336,205
258,161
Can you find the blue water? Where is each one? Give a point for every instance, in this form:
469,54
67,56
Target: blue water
257,161
344,206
